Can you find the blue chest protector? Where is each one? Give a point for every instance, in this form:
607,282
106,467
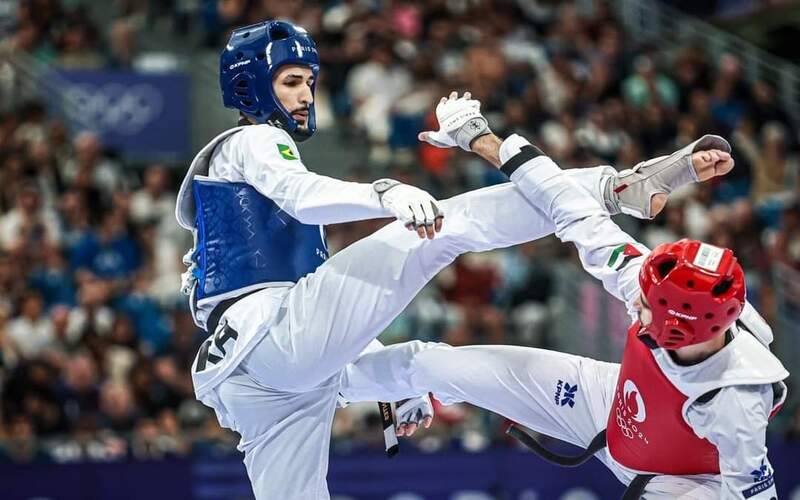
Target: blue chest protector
244,239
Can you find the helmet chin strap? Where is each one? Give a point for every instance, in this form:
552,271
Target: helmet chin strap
299,134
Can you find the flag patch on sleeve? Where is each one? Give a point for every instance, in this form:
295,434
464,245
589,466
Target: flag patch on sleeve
286,152
622,255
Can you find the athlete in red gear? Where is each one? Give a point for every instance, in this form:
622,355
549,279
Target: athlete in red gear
684,415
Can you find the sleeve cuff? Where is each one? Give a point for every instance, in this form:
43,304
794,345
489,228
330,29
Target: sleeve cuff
515,151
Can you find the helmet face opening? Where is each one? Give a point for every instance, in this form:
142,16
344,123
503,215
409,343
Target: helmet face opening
695,291
249,63
666,264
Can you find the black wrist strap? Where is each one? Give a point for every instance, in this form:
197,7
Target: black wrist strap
526,153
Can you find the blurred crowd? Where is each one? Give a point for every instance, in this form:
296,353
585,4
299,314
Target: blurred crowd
95,339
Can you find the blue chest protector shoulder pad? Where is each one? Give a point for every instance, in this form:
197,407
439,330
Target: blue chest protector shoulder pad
244,240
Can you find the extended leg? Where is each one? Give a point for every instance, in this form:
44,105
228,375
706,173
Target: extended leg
561,395
332,314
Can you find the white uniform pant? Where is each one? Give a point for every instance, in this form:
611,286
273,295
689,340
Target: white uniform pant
282,396
561,395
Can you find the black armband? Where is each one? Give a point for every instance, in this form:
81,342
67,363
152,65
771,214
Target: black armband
526,153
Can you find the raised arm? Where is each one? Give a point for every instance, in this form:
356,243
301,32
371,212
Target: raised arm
273,166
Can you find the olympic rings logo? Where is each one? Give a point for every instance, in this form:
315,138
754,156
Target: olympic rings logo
627,422
626,431
118,108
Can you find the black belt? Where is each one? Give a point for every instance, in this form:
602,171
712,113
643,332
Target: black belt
219,310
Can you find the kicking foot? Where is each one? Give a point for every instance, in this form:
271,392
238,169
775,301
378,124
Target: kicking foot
707,164
643,190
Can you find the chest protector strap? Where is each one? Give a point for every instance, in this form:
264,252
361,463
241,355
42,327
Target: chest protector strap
531,442
634,490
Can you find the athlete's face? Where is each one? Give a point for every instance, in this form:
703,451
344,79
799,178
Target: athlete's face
292,86
645,313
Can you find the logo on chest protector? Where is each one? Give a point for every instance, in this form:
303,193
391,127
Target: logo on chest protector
630,411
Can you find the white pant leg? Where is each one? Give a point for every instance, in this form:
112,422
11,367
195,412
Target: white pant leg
524,384
701,487
591,180
385,374
285,436
333,313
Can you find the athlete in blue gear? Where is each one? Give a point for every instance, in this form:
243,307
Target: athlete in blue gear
284,319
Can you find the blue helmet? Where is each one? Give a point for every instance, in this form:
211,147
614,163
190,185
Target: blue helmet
247,65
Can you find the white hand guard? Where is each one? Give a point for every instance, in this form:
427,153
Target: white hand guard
412,206
460,123
188,279
414,411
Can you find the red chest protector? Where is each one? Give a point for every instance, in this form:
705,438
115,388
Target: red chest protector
646,430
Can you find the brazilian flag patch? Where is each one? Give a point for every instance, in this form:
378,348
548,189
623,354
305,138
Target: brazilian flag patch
622,255
286,152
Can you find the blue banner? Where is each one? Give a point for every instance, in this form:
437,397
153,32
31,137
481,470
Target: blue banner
491,475
140,115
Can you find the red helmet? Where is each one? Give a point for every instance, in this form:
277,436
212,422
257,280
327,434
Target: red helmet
694,290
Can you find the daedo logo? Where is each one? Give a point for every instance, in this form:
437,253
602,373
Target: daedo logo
681,315
240,63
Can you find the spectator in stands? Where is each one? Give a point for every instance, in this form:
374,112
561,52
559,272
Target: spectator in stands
31,332
776,171
161,239
471,291
8,355
52,278
786,243
531,286
79,392
117,408
91,169
371,109
28,226
648,86
78,42
729,93
110,252
12,281
21,444
92,316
